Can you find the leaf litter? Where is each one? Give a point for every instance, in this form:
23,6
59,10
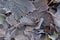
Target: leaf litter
29,19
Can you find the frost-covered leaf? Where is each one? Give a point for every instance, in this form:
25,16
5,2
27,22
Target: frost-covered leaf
11,20
2,18
54,36
19,7
26,21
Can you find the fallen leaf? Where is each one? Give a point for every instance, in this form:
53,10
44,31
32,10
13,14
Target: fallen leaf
54,36
2,18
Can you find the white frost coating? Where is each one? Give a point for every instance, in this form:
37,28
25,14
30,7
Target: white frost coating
25,21
11,20
18,7
6,10
27,4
